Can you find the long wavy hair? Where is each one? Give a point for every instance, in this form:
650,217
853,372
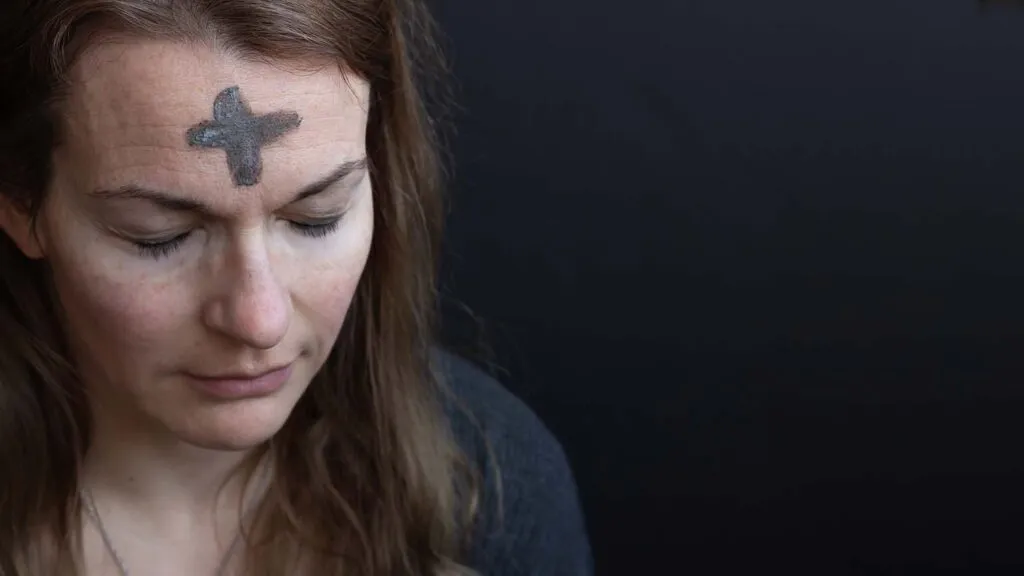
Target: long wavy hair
367,478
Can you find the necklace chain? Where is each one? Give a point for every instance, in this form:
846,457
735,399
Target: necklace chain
94,515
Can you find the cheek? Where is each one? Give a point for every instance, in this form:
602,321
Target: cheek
110,310
102,295
326,288
326,299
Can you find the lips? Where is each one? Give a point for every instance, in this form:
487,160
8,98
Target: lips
240,375
242,385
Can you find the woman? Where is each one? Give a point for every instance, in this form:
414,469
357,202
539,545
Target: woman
216,290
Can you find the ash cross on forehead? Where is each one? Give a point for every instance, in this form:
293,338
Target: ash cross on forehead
241,134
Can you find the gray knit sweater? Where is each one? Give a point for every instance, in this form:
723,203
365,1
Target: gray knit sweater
540,530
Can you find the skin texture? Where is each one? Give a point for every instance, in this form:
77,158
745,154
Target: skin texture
240,288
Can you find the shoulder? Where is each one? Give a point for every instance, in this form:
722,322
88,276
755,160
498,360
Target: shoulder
530,518
485,416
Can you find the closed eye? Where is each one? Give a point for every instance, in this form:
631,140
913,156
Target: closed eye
316,229
162,248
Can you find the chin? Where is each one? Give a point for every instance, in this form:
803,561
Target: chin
234,427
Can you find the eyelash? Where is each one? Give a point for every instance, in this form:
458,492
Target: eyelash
157,250
318,230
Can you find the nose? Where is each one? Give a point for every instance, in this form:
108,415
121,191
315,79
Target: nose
251,306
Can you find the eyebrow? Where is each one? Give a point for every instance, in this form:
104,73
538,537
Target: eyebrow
180,204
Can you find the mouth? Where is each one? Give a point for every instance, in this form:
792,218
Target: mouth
241,375
241,385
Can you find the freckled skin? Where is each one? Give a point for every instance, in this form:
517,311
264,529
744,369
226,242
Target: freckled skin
245,290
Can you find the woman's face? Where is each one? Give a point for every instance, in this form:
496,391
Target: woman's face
192,242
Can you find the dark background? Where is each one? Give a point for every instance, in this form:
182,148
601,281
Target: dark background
759,266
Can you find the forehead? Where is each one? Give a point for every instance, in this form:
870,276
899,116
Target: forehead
132,102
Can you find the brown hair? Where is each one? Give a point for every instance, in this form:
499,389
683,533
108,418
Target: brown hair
367,477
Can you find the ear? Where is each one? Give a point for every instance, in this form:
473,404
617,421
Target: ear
16,222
